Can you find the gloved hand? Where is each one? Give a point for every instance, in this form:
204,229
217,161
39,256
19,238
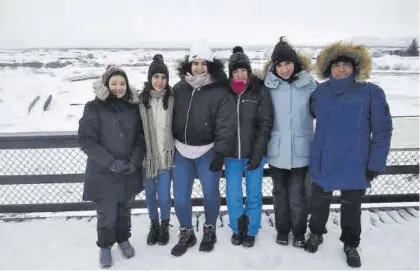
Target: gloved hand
370,175
131,168
118,166
217,162
253,163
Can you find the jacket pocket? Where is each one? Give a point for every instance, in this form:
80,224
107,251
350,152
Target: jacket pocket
249,101
302,143
274,145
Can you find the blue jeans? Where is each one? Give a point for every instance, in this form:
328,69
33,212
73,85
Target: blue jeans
185,171
160,186
234,196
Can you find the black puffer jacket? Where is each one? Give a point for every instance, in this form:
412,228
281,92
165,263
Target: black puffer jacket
111,129
255,114
206,115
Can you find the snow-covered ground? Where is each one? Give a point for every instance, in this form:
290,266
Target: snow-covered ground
390,240
26,74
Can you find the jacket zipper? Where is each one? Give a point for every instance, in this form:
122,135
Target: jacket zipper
188,115
360,115
239,123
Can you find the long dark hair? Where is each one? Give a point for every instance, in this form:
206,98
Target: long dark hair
128,93
215,68
145,95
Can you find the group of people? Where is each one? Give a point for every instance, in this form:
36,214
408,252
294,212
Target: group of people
240,122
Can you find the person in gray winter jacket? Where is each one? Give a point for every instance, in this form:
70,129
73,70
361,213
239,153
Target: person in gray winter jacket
110,133
290,84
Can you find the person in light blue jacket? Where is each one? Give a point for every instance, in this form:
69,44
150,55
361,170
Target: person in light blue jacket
287,77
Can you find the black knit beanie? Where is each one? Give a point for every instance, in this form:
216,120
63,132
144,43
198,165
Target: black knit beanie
283,51
157,66
238,60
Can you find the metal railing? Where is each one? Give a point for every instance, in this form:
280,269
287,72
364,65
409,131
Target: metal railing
45,172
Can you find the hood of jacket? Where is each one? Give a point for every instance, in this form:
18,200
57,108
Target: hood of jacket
358,53
304,77
102,92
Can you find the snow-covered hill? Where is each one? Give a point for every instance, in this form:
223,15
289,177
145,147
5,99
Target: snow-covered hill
29,77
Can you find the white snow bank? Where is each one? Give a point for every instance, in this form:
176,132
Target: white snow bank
60,243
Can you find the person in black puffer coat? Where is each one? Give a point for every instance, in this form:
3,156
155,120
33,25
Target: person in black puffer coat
255,114
203,126
110,133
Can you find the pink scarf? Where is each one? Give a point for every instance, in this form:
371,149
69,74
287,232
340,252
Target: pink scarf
238,86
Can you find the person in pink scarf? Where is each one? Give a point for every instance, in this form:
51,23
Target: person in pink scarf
255,117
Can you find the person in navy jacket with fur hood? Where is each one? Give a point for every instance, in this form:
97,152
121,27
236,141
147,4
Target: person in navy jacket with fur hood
351,143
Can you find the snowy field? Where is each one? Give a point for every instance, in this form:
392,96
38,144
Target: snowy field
390,241
28,74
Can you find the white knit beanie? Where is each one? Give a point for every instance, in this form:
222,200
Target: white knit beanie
201,49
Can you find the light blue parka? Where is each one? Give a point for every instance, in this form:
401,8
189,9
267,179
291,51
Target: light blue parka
292,133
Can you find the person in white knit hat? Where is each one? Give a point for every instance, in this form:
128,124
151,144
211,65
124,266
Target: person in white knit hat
201,50
203,126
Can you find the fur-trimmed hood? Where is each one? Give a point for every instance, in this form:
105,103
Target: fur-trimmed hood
218,72
304,61
358,53
102,92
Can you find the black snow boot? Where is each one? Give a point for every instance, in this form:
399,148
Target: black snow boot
163,237
299,241
236,239
314,240
353,257
249,241
209,238
282,238
186,240
152,237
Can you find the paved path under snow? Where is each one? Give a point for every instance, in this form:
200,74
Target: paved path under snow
390,240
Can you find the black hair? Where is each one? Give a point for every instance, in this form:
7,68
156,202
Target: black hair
128,94
145,95
215,68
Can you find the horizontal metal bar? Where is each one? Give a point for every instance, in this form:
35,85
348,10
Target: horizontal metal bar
336,199
86,206
41,179
403,149
47,207
385,198
38,140
403,169
58,207
366,199
76,178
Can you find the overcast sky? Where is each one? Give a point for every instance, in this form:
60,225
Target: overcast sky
130,23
